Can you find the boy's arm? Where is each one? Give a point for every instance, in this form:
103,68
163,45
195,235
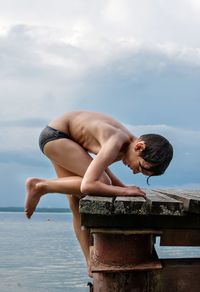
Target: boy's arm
115,181
106,156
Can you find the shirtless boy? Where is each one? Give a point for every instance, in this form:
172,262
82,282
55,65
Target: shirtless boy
68,141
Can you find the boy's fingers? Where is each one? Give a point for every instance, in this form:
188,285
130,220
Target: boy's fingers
142,194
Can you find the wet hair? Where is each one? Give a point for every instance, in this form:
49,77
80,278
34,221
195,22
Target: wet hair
158,151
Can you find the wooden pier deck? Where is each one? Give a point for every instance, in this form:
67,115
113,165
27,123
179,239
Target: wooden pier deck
172,214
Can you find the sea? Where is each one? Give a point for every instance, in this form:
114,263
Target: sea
40,254
43,255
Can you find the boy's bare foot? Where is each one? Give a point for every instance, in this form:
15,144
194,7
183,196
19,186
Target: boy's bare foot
34,193
90,285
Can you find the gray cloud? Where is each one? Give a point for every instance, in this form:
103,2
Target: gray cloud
42,77
136,61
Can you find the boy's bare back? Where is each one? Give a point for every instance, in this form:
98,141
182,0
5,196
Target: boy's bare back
90,130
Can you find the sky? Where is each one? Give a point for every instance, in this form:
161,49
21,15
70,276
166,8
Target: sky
138,61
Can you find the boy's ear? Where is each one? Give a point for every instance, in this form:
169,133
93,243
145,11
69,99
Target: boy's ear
140,146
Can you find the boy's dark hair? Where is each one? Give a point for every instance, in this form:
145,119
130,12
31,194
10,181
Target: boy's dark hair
158,151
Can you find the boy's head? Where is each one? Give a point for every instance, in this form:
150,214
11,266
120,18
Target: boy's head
158,152
150,154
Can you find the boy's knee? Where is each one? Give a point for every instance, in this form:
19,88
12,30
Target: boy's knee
73,203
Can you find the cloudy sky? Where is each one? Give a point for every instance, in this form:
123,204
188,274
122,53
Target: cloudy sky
138,61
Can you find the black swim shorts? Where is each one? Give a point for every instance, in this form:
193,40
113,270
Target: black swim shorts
50,134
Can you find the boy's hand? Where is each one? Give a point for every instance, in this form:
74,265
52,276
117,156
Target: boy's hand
134,191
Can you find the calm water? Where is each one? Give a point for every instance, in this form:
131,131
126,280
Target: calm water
42,254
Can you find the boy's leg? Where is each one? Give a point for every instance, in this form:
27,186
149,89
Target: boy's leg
71,162
38,187
83,236
74,159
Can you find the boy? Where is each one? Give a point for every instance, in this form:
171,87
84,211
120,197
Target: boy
68,141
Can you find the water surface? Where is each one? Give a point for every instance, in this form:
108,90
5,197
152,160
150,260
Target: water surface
41,254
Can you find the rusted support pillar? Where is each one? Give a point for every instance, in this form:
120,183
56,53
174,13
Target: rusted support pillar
119,257
121,282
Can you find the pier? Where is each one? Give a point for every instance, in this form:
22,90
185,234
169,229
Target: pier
123,233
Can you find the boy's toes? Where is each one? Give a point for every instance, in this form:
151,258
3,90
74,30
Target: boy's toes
28,213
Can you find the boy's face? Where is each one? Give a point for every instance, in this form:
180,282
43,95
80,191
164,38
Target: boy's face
135,162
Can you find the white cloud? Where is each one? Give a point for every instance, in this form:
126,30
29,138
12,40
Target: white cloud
45,70
152,21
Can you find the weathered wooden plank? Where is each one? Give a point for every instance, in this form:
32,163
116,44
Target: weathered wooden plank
190,199
155,203
131,205
163,205
180,237
96,205
144,221
192,192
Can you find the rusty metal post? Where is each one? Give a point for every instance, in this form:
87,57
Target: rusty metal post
118,258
